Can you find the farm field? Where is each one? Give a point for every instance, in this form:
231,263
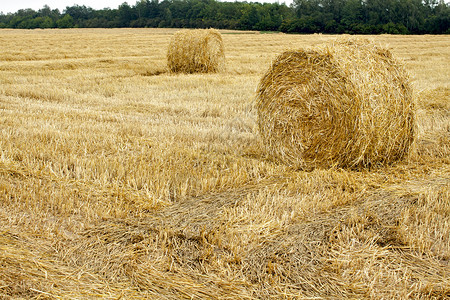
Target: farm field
121,180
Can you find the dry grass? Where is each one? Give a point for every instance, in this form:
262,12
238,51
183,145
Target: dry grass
347,104
196,50
118,179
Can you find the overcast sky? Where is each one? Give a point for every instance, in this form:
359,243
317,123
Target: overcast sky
7,6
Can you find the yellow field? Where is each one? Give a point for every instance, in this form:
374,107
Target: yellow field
120,180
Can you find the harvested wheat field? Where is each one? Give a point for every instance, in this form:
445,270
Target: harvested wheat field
120,179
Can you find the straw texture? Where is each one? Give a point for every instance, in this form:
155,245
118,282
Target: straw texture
348,104
196,51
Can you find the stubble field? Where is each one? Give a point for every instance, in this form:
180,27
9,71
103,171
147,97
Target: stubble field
120,180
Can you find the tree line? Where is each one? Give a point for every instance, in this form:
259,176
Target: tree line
303,16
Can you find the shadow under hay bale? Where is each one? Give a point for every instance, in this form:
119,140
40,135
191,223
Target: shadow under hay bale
154,72
349,104
199,50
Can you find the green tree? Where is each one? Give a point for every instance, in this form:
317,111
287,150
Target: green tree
43,22
304,16
126,14
250,17
65,22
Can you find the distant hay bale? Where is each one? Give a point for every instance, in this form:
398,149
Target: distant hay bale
346,105
199,50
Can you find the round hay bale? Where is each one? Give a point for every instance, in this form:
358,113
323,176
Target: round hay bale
198,50
349,104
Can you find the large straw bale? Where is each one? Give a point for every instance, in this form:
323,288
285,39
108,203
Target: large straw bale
348,104
198,50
